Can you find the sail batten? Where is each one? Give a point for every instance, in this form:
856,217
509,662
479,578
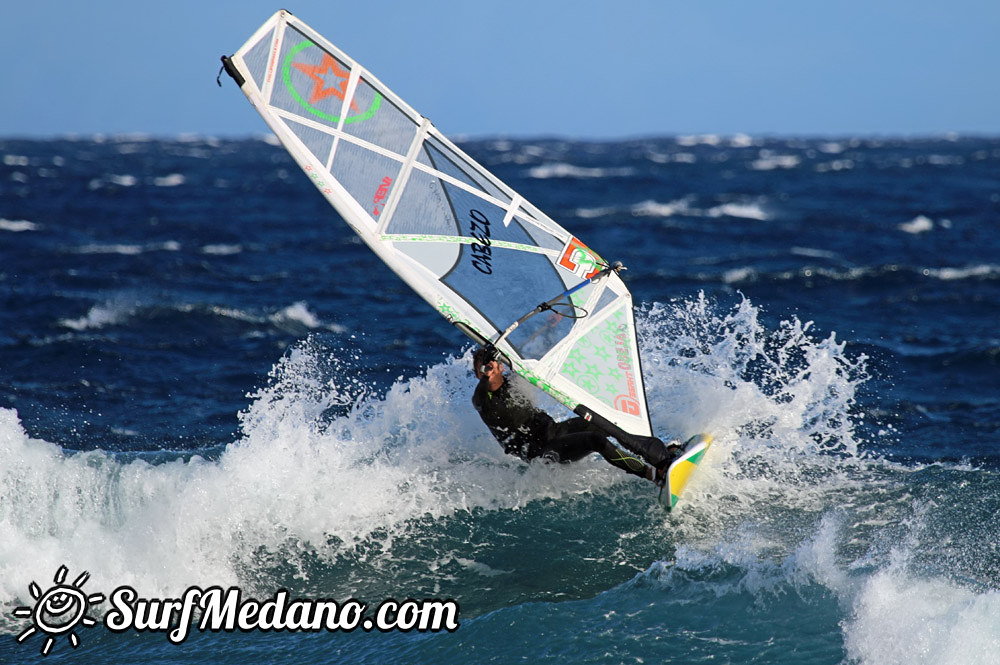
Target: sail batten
467,243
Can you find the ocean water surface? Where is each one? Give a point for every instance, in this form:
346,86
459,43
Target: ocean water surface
207,380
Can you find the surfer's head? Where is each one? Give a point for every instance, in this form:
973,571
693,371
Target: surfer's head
483,361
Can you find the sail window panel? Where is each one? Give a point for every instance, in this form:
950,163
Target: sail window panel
377,120
505,285
437,257
482,221
503,273
317,142
539,334
368,176
424,208
446,160
541,236
540,219
606,298
311,82
256,58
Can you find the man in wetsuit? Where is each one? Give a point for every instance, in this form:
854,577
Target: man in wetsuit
529,433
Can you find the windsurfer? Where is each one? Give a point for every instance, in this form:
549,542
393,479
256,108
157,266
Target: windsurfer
529,433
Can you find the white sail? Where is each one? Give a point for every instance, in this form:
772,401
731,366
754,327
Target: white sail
468,244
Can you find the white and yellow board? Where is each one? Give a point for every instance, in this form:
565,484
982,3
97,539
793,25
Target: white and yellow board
682,468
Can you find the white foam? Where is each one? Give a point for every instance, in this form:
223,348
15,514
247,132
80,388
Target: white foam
742,210
738,275
741,141
946,160
123,180
899,619
221,249
563,170
777,400
699,139
835,165
591,213
893,616
919,224
812,252
947,274
172,180
656,209
683,206
299,313
769,161
127,249
17,225
786,501
116,248
297,483
103,315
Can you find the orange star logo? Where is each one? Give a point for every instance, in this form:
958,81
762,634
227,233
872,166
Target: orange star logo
319,73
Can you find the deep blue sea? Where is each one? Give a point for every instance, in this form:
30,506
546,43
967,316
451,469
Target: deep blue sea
206,379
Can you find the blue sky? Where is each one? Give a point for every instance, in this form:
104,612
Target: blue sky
580,69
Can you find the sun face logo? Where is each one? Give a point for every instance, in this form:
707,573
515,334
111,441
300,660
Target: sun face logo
320,81
59,610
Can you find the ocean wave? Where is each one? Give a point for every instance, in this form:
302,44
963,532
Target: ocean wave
299,484
564,170
337,489
128,249
820,588
295,318
222,249
919,224
769,161
129,180
835,165
124,180
868,580
741,210
18,225
101,316
735,276
657,209
968,272
172,180
672,157
715,140
750,209
326,468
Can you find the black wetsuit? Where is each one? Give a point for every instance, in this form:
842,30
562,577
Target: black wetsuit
524,430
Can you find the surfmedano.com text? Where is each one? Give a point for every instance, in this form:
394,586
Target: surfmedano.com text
226,610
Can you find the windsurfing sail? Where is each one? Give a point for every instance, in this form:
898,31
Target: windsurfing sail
462,239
